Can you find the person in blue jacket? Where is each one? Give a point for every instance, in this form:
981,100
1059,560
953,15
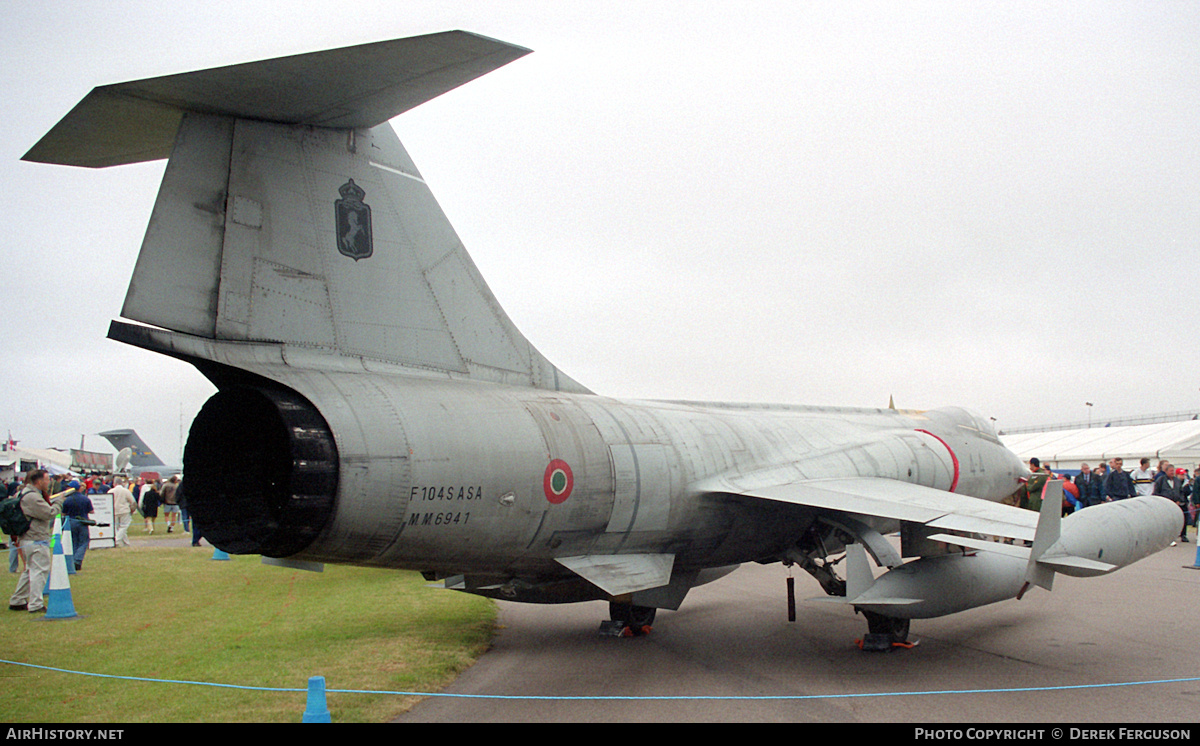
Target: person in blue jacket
77,506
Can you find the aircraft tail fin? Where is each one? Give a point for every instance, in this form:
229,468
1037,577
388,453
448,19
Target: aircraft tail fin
290,214
140,455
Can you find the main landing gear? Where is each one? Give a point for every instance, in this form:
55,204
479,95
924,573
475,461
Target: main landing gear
628,620
815,552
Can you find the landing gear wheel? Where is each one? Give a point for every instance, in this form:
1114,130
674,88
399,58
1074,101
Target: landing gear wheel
896,629
635,620
884,632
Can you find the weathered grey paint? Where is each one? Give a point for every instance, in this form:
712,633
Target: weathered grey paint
460,450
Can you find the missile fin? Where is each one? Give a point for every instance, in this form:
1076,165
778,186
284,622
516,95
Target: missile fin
868,603
1049,528
859,577
982,545
1081,565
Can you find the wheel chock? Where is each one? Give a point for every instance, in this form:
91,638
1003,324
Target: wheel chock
611,628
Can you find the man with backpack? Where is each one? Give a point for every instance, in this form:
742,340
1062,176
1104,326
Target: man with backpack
34,542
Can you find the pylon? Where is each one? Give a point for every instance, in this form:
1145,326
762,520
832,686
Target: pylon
220,554
59,604
316,711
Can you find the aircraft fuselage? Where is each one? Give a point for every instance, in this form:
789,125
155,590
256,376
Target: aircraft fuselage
454,477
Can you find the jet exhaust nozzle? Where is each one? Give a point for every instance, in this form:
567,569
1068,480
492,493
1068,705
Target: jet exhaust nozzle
261,468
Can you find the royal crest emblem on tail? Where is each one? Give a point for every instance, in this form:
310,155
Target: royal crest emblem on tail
353,218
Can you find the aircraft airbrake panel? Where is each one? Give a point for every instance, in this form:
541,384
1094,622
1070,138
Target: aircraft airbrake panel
572,442
643,488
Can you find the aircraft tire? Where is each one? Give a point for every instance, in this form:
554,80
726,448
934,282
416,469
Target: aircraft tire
896,628
636,618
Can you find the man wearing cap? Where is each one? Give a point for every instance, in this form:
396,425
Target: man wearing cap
1031,498
77,506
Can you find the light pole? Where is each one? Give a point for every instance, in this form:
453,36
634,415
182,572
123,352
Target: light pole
1089,406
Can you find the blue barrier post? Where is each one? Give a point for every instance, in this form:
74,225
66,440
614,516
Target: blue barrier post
316,711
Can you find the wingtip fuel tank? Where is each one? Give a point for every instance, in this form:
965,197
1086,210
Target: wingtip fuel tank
1094,541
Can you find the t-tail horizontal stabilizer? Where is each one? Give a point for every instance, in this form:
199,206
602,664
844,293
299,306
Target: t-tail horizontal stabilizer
355,87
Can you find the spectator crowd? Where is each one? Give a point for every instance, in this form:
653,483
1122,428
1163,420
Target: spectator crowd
41,497
1109,482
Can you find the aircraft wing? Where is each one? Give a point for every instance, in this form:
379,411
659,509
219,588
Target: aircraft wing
901,501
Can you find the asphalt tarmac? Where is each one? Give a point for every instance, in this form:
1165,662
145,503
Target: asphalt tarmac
731,639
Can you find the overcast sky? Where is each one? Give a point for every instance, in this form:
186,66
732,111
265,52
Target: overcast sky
992,205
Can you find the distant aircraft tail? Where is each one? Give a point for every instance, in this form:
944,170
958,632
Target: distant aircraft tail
290,214
141,455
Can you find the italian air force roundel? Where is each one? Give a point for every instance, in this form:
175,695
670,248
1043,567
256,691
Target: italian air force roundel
558,481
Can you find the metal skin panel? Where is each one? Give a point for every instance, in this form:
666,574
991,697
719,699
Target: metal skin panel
289,306
415,298
175,280
642,490
623,573
570,436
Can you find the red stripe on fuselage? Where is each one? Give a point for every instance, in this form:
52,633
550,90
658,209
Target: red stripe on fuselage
953,457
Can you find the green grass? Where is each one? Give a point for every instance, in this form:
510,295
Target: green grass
174,613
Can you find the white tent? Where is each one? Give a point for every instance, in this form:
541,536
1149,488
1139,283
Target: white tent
1177,442
46,456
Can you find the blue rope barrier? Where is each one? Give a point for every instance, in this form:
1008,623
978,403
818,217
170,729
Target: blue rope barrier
155,681
663,697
